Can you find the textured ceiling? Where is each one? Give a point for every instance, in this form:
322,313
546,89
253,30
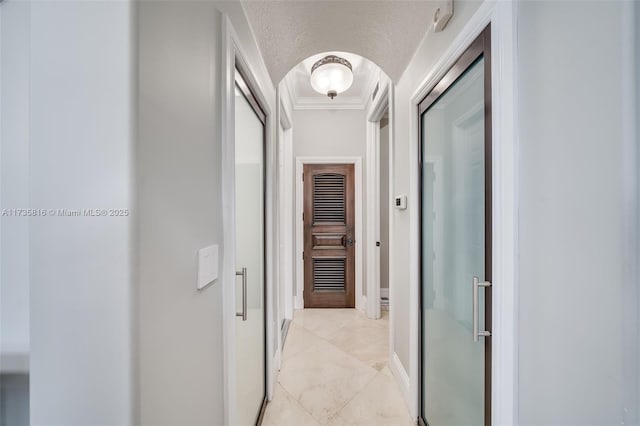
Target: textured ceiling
387,32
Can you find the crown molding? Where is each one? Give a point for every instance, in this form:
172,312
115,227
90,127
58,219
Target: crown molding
317,103
323,106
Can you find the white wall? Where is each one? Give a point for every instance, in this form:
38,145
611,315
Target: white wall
14,231
578,288
578,341
179,212
428,53
83,59
327,133
14,190
81,156
636,260
181,361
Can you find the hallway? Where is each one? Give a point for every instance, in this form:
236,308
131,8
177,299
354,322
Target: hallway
180,178
334,372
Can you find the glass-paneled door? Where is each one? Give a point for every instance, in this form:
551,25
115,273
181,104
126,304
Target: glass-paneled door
455,158
250,254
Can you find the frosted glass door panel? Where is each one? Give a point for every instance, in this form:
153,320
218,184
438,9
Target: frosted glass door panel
249,141
453,252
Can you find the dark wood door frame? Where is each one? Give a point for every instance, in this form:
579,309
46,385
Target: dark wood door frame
479,48
329,243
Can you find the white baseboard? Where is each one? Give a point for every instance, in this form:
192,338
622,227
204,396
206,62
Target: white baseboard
278,359
402,378
273,374
362,307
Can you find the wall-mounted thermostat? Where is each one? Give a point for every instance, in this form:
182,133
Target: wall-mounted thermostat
441,16
401,202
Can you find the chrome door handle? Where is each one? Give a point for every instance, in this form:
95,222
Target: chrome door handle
476,287
243,274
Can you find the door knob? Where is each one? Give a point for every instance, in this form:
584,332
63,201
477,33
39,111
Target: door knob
349,240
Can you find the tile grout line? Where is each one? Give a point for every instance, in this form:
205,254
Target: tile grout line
354,396
298,402
342,352
336,332
350,356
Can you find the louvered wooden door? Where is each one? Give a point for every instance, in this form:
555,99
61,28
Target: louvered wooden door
329,243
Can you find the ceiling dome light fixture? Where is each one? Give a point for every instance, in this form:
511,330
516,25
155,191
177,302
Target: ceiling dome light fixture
331,75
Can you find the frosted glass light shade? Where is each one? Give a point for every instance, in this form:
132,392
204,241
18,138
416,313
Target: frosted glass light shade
331,75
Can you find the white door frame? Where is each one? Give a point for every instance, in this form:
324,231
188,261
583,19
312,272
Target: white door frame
359,245
287,211
373,158
502,17
232,54
284,283
280,248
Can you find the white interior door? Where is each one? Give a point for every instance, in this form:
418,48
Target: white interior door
453,361
456,243
250,255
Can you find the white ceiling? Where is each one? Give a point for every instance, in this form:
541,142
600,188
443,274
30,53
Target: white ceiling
365,75
387,32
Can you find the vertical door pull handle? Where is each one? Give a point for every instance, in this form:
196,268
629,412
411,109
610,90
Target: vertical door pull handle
243,274
476,321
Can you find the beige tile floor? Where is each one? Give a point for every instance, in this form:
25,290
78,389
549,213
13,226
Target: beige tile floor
334,372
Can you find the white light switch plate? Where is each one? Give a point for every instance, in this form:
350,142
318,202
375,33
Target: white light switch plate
207,265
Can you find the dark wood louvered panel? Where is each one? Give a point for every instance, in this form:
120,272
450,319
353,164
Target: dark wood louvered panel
327,241
329,198
329,274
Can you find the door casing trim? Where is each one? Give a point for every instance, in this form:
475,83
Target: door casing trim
502,17
233,55
374,157
359,242
284,215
